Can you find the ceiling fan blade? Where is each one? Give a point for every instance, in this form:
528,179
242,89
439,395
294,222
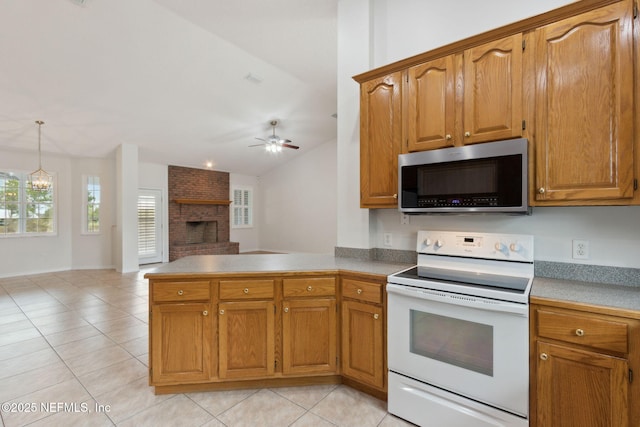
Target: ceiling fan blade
261,139
295,147
257,145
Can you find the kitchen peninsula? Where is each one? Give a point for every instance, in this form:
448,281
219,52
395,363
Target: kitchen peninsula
237,321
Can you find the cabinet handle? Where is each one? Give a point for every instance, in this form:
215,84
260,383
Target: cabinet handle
541,190
448,137
376,316
309,288
205,313
544,356
467,134
180,292
579,332
359,291
395,196
221,311
246,290
286,309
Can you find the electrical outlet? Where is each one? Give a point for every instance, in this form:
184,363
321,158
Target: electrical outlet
404,218
580,249
388,241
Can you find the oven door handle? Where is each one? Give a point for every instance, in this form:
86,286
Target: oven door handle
457,299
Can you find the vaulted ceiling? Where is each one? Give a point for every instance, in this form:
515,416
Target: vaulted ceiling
187,81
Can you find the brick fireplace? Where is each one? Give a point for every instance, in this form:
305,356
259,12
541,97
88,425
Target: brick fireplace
198,213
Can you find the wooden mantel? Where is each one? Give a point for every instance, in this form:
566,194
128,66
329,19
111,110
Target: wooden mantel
201,202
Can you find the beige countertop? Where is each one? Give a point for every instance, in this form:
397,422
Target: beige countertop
614,296
607,295
271,263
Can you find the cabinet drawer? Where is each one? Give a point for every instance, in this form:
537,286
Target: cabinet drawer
589,331
246,289
181,291
309,287
363,291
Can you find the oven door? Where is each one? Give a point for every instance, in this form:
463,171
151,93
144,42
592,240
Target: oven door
471,346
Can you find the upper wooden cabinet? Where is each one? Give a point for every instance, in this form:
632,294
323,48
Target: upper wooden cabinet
485,104
493,91
584,107
380,140
431,103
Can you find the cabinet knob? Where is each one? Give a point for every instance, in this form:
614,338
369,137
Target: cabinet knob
544,356
205,313
180,292
541,190
286,309
359,291
467,134
246,290
309,288
395,196
580,332
221,311
376,316
448,137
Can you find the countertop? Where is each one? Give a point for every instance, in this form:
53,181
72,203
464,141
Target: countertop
608,295
272,263
602,294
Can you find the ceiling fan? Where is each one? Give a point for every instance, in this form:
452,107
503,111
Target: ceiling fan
274,143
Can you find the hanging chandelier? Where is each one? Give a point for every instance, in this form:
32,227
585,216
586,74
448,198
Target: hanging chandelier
40,179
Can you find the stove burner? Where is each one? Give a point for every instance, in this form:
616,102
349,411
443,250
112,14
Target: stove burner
468,278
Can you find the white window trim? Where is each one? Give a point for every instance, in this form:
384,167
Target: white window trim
234,206
23,233
84,224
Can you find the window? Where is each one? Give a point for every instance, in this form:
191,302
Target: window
242,213
91,204
24,211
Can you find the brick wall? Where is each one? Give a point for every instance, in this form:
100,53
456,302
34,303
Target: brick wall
198,184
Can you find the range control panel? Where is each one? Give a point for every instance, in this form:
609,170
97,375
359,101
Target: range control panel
512,247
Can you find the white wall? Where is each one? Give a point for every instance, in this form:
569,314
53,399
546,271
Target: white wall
68,249
402,28
353,58
297,203
248,238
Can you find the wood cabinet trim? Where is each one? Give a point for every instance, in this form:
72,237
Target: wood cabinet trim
522,26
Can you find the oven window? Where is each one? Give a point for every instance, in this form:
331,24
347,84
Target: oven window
461,343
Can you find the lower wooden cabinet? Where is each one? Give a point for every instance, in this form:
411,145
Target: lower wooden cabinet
257,330
174,328
363,344
246,343
309,337
582,365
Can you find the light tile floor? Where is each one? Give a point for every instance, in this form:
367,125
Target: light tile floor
74,352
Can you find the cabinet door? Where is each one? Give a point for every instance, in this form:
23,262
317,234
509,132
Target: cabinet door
431,105
493,91
176,327
584,106
309,335
246,339
578,388
362,343
380,140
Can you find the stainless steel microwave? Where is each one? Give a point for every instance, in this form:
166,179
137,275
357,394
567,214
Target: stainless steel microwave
478,178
